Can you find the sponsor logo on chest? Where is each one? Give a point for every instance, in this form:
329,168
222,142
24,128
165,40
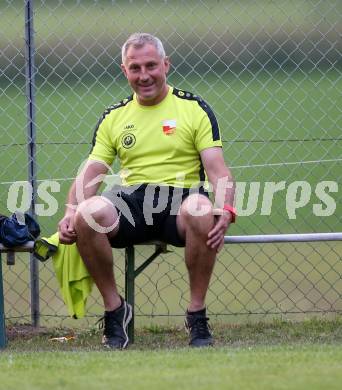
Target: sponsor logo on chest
129,126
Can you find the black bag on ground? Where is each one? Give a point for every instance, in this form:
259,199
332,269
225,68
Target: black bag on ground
14,232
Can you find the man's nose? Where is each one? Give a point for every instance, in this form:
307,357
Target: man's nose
144,74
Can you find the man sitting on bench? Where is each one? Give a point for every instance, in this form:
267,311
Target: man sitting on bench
167,141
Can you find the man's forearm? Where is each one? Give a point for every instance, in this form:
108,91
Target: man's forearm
224,189
71,203
85,185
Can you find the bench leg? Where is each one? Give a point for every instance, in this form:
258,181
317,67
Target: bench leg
2,311
129,286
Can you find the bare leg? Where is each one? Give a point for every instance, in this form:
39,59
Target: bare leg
94,247
199,258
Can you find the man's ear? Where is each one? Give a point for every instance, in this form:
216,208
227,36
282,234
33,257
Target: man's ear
123,68
167,64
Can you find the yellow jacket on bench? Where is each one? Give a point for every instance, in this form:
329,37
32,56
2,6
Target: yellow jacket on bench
73,277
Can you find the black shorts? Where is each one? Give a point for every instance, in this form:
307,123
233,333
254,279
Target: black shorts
148,212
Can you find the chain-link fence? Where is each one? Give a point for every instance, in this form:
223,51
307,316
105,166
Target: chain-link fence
271,70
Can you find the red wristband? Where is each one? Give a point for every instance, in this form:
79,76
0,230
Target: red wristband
232,210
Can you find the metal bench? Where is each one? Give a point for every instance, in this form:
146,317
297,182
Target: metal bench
131,273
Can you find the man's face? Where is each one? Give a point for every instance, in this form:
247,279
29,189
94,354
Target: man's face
146,73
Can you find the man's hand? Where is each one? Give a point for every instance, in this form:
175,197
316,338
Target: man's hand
84,187
67,234
216,235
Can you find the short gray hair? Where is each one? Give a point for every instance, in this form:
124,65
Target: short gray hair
138,40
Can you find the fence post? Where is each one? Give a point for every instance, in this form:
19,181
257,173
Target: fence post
2,311
31,144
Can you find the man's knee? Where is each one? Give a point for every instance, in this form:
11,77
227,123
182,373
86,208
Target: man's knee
196,205
96,213
197,212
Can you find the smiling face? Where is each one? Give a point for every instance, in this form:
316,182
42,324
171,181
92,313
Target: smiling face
146,73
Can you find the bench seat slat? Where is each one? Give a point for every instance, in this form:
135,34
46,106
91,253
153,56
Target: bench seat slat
28,247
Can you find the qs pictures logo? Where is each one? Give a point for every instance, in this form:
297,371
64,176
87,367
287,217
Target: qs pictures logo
128,140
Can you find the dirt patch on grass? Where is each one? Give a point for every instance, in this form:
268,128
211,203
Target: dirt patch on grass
25,331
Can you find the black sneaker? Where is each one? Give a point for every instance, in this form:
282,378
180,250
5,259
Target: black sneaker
115,326
197,326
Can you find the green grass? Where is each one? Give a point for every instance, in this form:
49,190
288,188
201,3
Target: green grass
25,338
281,367
279,355
189,18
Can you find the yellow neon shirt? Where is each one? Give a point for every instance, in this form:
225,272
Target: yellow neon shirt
160,143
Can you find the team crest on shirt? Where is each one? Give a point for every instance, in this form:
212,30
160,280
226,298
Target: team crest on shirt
169,126
128,140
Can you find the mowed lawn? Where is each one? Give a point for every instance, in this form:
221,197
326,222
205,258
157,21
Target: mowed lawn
297,367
